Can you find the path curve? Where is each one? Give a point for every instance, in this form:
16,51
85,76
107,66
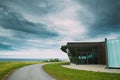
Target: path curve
31,72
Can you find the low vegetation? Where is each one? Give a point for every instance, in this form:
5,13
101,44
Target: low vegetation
7,67
61,73
52,60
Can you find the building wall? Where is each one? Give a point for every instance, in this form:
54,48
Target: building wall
97,51
113,49
101,54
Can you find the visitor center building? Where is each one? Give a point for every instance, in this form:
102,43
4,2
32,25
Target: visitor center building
106,52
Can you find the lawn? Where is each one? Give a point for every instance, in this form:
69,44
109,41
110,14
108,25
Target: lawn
61,73
7,67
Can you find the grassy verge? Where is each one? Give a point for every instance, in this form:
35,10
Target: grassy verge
61,73
7,67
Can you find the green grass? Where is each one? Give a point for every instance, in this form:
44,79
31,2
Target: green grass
61,73
7,67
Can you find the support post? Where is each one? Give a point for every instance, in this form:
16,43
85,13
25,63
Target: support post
106,52
76,55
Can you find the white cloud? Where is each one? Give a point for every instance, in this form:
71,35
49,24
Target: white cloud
35,53
65,22
5,32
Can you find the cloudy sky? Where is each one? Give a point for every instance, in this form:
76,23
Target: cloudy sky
38,28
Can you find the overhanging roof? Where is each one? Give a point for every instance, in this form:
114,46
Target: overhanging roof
83,44
80,44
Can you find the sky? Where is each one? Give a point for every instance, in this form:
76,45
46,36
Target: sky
38,28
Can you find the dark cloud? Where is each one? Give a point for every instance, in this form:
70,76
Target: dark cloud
37,7
12,43
21,29
5,47
14,21
106,14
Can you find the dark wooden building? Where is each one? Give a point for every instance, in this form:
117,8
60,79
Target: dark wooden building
86,52
106,52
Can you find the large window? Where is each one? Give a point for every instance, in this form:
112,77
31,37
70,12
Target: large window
86,55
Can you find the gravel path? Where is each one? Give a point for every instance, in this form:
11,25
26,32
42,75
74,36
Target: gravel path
31,72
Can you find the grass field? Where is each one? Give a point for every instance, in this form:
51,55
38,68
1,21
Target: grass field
61,73
7,67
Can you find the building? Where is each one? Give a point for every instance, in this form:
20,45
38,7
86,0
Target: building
106,52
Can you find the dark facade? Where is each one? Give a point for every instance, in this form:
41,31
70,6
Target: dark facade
106,52
86,52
